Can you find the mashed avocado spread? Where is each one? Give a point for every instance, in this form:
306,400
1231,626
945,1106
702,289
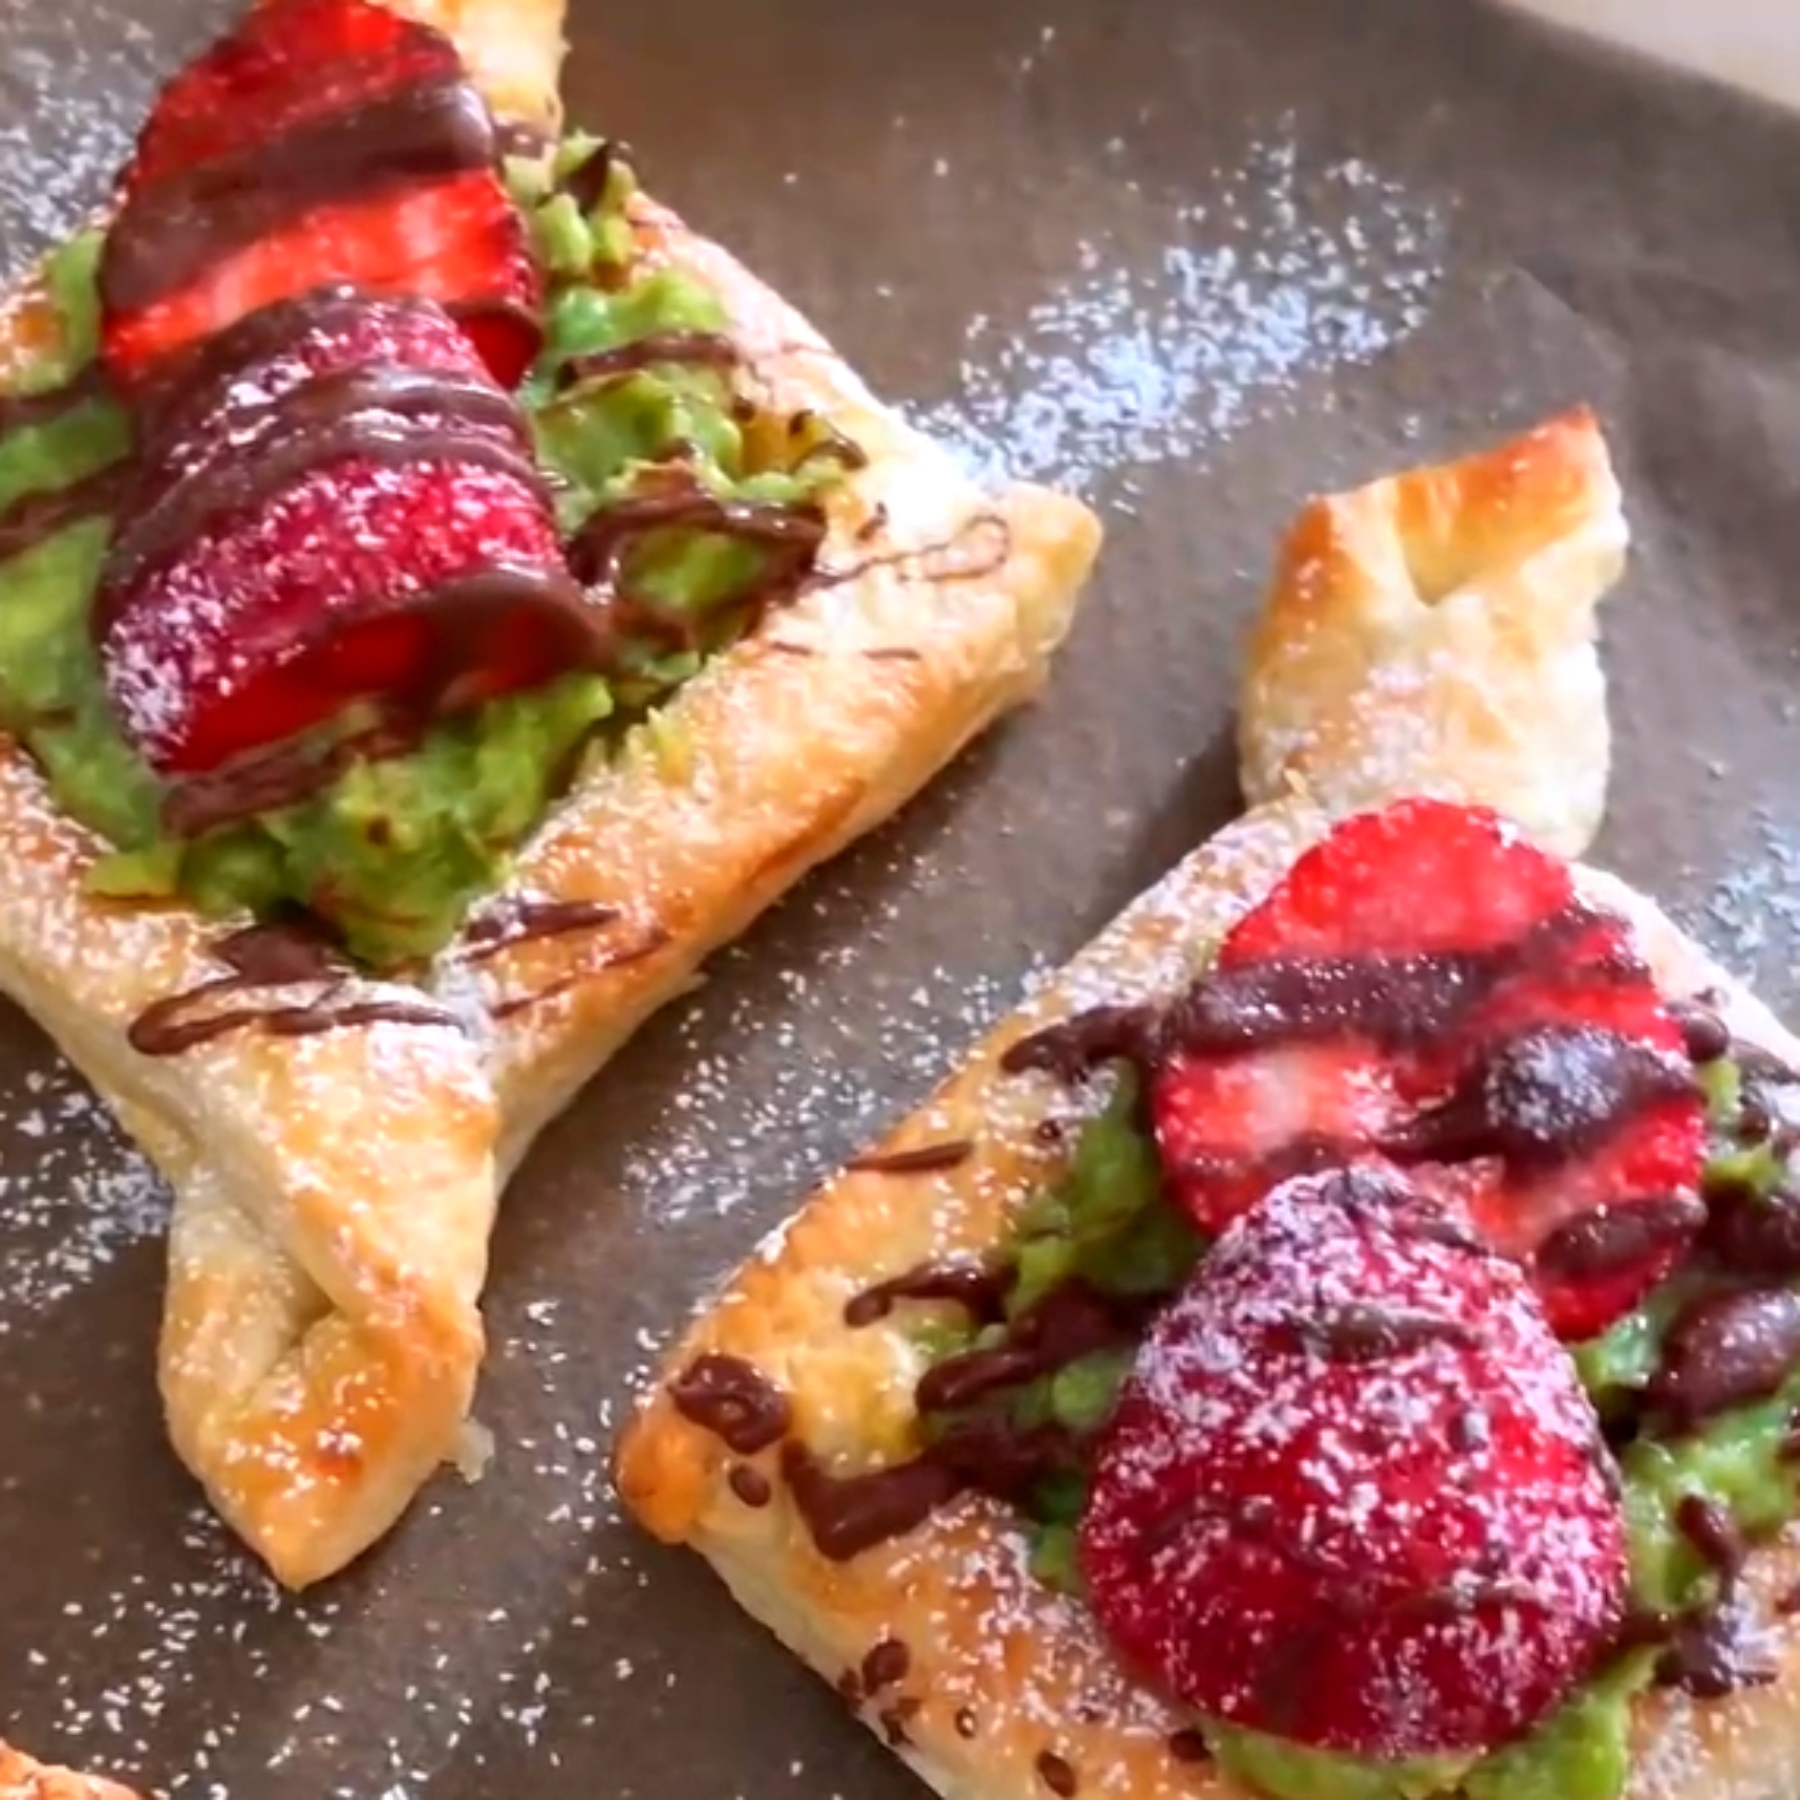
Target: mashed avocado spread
1107,1222
393,852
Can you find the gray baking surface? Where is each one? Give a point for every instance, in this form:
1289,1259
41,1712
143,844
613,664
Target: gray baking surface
1195,257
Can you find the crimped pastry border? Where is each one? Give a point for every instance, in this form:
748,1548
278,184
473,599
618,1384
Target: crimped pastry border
321,1335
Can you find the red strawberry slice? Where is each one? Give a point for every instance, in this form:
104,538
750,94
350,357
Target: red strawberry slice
341,507
1353,1495
1426,988
322,141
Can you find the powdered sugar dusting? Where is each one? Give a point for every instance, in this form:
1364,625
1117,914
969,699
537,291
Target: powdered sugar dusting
75,83
1285,274
715,1149
72,1209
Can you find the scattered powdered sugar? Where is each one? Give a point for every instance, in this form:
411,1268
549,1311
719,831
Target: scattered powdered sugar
75,83
156,1635
1283,274
1750,920
83,1199
723,1142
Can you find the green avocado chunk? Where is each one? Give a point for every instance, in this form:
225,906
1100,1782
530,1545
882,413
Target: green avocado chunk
392,853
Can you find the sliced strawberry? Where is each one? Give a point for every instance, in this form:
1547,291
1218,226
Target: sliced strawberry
342,507
322,141
1353,1495
1426,988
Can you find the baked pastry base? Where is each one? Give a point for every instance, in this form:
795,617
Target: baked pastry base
1010,1691
322,1336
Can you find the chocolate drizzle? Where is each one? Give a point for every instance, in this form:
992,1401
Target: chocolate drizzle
925,1159
1365,1332
455,613
733,1400
1708,1653
265,957
695,349
1613,1238
603,550
1073,1048
515,922
1542,1098
1070,1322
981,548
980,1292
191,218
1726,1350
645,943
383,413
34,519
1397,1002
29,412
849,1514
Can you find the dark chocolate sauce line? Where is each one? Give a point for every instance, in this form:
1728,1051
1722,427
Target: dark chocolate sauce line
33,519
1070,1322
699,349
601,553
26,412
1542,1098
587,185
196,382
1620,1236
1723,1351
171,231
647,944
932,562
275,778
455,611
979,1291
925,1159
1367,1332
385,414
270,957
518,922
849,1514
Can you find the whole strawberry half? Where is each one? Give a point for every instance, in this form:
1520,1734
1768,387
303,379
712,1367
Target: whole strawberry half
1425,987
1353,1495
322,141
342,507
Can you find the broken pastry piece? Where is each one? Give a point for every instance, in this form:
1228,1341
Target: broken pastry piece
447,599
1342,1336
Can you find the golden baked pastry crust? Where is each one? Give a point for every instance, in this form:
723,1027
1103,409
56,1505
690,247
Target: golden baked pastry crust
1009,1691
334,1194
23,1779
1437,628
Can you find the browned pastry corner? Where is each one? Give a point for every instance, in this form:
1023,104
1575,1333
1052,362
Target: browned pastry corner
23,1779
988,1683
1436,632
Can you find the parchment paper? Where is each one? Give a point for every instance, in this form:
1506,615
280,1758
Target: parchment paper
1195,257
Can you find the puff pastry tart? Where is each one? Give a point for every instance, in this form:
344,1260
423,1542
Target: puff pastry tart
1340,1338
446,599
